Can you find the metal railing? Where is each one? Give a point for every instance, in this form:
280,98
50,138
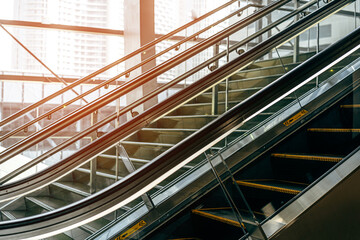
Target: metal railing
115,63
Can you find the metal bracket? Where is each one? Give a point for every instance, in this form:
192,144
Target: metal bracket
134,113
240,51
212,67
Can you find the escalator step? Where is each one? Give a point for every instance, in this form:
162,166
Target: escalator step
307,157
190,116
105,173
78,188
334,130
169,129
238,90
226,215
17,214
350,106
223,215
50,203
148,144
134,160
8,215
47,203
274,185
61,236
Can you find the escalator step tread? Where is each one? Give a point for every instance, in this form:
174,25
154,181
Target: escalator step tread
254,78
135,160
169,129
98,223
148,144
350,106
189,116
334,130
61,236
75,187
186,130
226,215
307,157
17,214
48,202
106,173
237,90
267,68
274,185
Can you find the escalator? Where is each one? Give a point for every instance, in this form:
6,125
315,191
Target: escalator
155,141
280,176
148,143
273,174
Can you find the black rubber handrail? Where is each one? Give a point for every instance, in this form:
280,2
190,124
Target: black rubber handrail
103,69
113,116
137,183
81,112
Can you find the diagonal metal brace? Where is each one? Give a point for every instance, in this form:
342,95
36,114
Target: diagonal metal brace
131,168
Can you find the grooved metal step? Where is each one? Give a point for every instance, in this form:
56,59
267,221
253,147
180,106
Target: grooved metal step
160,135
134,160
274,185
307,157
101,173
226,215
183,122
74,187
265,71
168,145
233,95
334,130
284,60
350,106
8,215
16,214
108,174
47,203
50,204
61,236
243,83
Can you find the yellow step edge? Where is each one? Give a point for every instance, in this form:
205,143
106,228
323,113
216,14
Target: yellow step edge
228,208
335,130
269,179
217,218
350,106
307,157
266,187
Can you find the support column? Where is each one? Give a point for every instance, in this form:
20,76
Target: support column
297,39
93,162
139,29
